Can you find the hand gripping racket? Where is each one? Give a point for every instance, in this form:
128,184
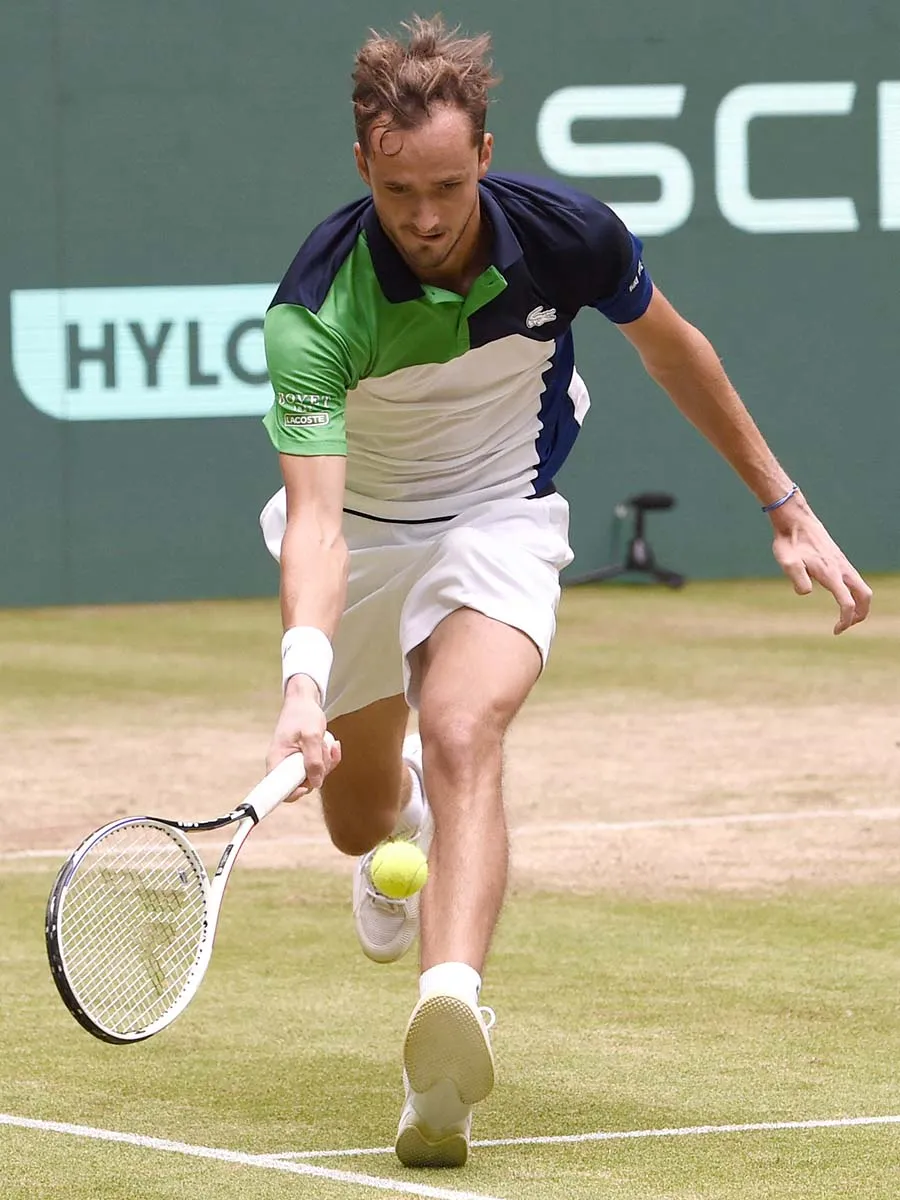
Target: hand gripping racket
132,916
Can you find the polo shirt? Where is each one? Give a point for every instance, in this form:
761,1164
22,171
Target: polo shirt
441,401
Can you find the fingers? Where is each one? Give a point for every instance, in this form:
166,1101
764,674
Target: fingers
852,593
862,594
321,754
799,577
318,771
806,560
272,761
793,565
278,751
846,604
855,599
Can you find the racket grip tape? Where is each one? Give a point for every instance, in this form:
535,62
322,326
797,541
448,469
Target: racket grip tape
283,779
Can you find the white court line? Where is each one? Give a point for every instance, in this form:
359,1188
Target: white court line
13,855
691,1131
810,814
263,1161
211,846
620,1135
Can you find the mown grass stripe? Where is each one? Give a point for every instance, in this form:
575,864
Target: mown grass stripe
262,1161
886,813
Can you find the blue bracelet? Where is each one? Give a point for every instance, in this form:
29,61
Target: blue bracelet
784,499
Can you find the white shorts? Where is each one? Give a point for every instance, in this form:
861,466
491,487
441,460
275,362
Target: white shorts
501,558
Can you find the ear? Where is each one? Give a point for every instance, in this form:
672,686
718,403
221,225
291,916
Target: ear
484,157
361,165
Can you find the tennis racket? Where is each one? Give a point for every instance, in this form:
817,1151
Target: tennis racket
132,916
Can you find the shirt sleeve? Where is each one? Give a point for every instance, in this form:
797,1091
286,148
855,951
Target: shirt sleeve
309,367
627,287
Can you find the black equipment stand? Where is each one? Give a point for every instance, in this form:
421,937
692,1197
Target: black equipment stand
639,556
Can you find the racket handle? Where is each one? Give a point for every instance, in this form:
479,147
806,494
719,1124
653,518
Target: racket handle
278,784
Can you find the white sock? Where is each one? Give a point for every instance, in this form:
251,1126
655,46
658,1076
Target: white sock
413,812
455,978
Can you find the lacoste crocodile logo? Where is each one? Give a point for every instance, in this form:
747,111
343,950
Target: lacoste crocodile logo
540,316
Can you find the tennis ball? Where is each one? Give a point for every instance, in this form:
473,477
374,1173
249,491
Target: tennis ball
399,869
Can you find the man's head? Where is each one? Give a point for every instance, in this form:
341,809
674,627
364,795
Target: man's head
420,110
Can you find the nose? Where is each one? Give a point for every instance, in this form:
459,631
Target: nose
425,221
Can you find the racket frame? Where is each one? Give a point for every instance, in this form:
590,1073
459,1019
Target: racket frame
263,799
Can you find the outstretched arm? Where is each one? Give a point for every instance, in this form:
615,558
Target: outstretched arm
682,361
313,588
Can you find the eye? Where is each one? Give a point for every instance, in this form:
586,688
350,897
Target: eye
450,185
397,189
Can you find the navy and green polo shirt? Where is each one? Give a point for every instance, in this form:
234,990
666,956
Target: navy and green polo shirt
441,401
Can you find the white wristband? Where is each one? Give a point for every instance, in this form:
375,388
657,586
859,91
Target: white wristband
306,650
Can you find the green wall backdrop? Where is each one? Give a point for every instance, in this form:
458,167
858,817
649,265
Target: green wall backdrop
162,162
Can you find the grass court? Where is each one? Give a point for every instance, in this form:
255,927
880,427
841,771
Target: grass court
696,976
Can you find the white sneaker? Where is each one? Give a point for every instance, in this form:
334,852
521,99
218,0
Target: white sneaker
434,1129
386,928
448,1066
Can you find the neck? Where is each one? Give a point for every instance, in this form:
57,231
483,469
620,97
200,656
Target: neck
470,256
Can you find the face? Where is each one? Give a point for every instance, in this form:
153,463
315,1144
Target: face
424,185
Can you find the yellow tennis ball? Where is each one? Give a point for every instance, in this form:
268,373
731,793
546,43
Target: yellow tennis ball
399,869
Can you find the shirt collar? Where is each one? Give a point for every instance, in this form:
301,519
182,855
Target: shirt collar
506,248
397,281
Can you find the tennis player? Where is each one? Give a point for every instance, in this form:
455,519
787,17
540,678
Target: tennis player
426,396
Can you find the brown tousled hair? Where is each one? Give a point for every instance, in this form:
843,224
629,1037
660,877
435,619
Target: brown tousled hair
402,81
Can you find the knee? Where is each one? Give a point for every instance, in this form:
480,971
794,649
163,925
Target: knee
461,743
353,828
354,842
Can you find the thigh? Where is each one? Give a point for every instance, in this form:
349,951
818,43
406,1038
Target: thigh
369,773
472,675
501,561
368,662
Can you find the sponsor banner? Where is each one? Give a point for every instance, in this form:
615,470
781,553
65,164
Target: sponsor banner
115,354
738,113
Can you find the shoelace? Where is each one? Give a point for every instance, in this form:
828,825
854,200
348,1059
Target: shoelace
386,903
488,1016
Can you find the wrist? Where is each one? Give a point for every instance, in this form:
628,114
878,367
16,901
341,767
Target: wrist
781,500
306,652
302,687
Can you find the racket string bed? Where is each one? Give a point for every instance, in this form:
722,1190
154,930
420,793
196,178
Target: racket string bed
133,919
95,924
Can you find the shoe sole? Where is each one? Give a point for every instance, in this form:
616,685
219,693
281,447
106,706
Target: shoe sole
446,1039
414,1149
